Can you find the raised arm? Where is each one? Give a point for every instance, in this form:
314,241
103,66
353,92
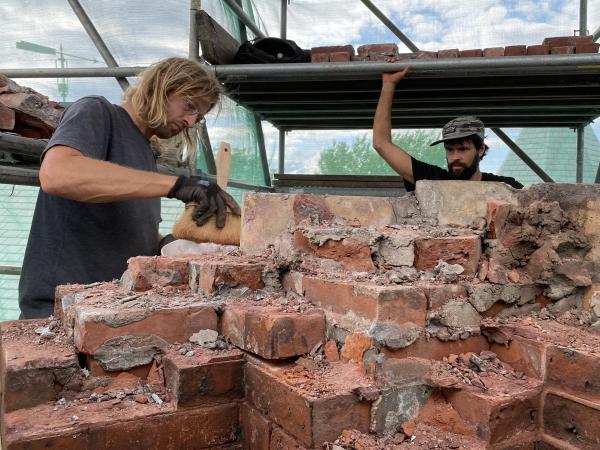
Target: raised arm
395,156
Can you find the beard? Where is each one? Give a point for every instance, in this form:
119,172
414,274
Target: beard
467,172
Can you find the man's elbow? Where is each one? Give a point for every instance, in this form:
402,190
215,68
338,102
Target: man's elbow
52,182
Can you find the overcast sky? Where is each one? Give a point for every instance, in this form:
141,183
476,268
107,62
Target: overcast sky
139,33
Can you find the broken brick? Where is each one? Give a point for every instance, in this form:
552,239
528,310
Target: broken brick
493,52
566,50
462,250
448,53
280,440
204,378
339,57
207,276
587,47
426,55
256,428
319,57
355,347
515,50
145,272
474,53
574,372
311,420
369,49
497,213
573,422
272,333
538,50
525,355
7,118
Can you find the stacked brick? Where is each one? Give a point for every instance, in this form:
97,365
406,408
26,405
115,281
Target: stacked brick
26,112
381,52
342,320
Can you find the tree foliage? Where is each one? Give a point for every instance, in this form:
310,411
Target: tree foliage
359,158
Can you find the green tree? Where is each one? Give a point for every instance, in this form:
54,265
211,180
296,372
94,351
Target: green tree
359,158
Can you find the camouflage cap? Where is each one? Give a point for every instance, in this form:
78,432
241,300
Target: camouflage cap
462,127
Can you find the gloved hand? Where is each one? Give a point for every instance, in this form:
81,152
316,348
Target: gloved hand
209,198
164,241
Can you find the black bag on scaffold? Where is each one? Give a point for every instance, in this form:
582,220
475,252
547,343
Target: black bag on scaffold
270,50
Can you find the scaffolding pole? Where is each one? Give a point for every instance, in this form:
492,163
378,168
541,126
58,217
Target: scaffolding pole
245,18
283,20
579,157
583,17
388,23
521,154
194,42
97,40
281,162
260,137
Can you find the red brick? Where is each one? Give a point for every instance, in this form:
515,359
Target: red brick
538,50
426,55
271,333
339,57
93,326
331,352
96,369
256,428
566,50
574,372
33,374
498,417
353,254
493,52
280,440
462,250
448,53
32,112
207,377
7,118
565,41
390,49
355,347
515,50
145,272
207,276
587,47
473,53
102,426
497,212
292,282
435,349
525,355
310,420
572,421
333,48
319,57
398,304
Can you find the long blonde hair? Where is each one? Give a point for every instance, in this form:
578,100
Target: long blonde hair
172,76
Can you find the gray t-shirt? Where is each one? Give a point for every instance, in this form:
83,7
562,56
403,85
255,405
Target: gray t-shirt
76,242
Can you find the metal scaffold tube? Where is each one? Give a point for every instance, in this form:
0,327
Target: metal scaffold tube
579,156
388,23
245,18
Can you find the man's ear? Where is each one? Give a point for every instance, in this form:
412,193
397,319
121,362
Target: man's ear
481,150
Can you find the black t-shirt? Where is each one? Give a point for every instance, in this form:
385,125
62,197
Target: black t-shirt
424,171
76,242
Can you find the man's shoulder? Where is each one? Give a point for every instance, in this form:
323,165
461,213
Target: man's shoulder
92,103
508,180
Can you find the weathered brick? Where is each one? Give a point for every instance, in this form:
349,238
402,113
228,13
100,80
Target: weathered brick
319,57
366,303
497,213
426,55
331,351
355,346
94,326
499,417
438,295
207,276
339,56
146,272
564,41
333,48
566,50
256,428
207,377
448,53
587,47
391,49
310,420
32,374
272,333
515,50
473,53
462,250
574,372
33,113
268,218
280,440
493,52
576,422
103,426
437,349
525,355
538,50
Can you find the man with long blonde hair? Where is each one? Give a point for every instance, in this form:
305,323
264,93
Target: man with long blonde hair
99,202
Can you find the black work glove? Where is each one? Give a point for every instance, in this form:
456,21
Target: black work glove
209,199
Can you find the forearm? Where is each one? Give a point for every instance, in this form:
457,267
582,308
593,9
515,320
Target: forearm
85,179
395,156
